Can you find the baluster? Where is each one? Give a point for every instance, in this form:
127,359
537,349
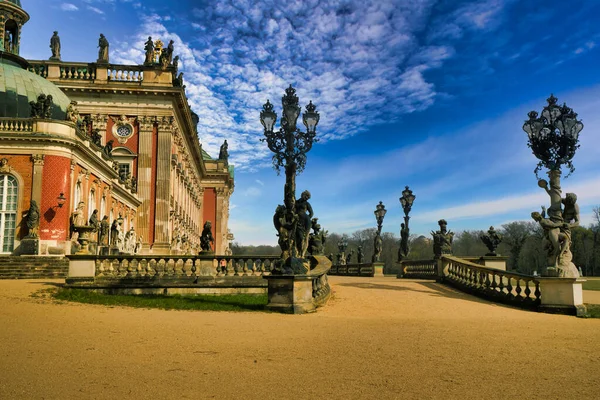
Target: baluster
245,268
501,284
527,291
537,292
518,289
193,275
509,287
62,73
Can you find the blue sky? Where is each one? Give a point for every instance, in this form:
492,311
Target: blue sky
430,94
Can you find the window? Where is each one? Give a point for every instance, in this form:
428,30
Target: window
91,203
123,169
102,207
8,212
77,197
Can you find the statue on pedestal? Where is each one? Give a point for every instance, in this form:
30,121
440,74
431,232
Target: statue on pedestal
360,255
149,48
104,231
207,240
305,213
223,153
317,238
55,47
102,50
33,220
442,240
114,234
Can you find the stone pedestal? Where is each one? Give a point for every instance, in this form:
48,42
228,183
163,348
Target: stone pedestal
29,246
82,268
103,250
496,262
114,251
290,293
562,296
207,267
378,269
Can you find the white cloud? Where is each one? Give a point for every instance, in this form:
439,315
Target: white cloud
68,7
96,10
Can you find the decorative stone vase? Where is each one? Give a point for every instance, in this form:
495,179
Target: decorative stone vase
85,233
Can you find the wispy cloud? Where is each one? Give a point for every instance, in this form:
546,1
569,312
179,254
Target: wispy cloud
95,9
68,7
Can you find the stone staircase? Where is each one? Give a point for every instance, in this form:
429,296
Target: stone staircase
33,267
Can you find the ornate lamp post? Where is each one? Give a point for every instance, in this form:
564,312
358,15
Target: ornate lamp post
553,138
290,145
406,201
379,212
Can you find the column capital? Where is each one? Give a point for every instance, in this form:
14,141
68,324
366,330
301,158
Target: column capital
37,159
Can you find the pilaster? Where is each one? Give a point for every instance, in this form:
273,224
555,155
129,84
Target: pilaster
163,172
144,176
38,170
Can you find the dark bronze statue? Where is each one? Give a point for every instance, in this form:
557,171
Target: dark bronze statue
149,48
55,47
492,239
404,235
378,248
102,50
442,240
317,238
107,150
223,153
42,108
33,220
360,255
207,240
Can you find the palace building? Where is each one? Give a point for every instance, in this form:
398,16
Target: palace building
76,137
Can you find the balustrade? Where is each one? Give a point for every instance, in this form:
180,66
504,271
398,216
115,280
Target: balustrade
495,284
419,269
365,269
125,73
84,72
39,69
16,125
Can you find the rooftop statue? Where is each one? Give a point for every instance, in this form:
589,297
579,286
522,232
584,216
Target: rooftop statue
42,108
55,46
102,50
223,151
149,48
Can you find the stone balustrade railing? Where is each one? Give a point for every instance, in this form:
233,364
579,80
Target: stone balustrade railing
17,125
186,267
78,71
126,73
418,269
365,269
497,285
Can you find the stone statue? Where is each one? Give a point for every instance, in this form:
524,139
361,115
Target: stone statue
207,240
360,255
108,149
378,248
284,230
102,50
114,234
317,238
149,48
130,241
223,153
349,257
404,247
442,240
55,46
79,216
179,81
97,138
139,244
104,231
33,220
8,42
94,221
166,55
175,67
492,239
305,214
73,113
330,257
555,241
42,108
341,260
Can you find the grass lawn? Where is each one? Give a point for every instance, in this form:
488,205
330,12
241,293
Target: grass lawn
593,310
234,302
592,283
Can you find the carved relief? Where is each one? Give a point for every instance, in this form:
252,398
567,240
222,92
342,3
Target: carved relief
4,167
37,159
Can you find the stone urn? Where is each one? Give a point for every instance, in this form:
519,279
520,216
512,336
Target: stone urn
84,234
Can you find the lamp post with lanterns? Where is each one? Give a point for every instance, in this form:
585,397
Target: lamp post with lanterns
406,201
379,212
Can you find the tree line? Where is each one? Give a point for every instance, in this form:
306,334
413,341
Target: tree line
522,244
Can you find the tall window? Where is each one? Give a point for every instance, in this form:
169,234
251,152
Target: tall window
8,212
91,203
123,169
102,207
77,197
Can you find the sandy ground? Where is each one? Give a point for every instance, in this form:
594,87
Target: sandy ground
380,338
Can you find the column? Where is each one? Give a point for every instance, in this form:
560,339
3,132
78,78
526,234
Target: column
163,189
144,178
38,170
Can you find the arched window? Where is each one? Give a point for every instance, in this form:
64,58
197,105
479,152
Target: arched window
8,212
77,197
102,208
11,37
91,203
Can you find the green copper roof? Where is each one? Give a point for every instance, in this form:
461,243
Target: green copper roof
18,87
17,2
205,155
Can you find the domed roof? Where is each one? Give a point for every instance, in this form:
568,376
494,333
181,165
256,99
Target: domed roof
18,87
17,2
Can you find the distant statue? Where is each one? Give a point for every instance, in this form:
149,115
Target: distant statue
149,48
360,255
284,230
442,240
404,235
139,244
317,238
94,221
305,214
104,231
33,220
130,241
492,239
378,248
102,50
108,148
330,256
175,67
55,46
8,42
79,216
179,81
114,234
96,137
42,108
207,240
166,56
73,113
223,153
349,257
